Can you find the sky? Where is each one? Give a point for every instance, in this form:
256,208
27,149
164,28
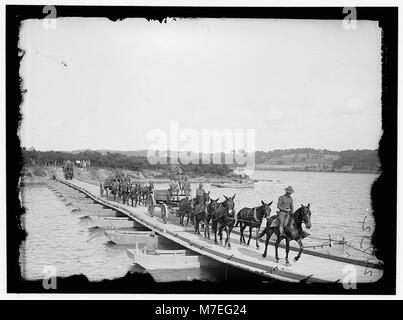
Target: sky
96,84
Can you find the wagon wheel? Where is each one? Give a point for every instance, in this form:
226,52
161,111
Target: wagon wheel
164,213
151,205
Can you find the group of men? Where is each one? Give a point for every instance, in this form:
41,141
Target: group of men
180,185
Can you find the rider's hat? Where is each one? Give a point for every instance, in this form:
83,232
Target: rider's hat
152,233
200,184
289,189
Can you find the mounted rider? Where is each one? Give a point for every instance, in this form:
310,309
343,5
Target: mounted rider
200,194
286,207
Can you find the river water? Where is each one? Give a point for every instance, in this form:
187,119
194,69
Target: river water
340,206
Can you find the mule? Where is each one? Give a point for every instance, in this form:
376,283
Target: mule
252,218
146,190
135,194
211,207
185,209
224,218
200,213
125,190
292,229
115,189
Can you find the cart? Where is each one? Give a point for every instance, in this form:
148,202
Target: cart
164,200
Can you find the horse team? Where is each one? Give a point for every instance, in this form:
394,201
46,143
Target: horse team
126,190
206,212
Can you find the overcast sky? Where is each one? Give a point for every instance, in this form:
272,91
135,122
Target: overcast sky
94,83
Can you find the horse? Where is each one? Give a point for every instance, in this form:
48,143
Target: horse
185,208
124,190
211,207
135,194
200,213
252,218
115,189
292,229
223,218
145,192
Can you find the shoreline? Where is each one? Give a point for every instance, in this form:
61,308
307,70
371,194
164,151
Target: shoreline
307,170
39,173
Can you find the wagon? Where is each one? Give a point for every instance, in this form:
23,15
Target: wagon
68,170
164,200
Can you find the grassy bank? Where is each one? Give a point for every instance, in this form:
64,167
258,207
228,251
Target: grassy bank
36,173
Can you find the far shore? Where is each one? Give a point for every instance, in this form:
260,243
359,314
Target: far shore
315,170
38,173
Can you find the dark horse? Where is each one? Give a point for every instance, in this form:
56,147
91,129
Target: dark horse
115,189
185,209
252,218
201,215
135,194
124,188
224,218
146,190
292,229
211,207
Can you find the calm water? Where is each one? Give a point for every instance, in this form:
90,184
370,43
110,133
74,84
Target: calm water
57,237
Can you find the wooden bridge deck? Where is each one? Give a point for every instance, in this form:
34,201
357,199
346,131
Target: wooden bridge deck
309,268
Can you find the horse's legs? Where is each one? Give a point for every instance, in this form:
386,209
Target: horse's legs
228,231
197,224
241,229
268,232
206,228
301,247
287,250
278,240
250,233
215,231
220,233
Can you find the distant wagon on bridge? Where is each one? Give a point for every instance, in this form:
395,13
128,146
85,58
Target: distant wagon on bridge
68,170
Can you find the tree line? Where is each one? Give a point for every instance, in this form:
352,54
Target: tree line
366,160
116,160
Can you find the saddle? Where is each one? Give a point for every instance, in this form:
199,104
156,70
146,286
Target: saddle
276,222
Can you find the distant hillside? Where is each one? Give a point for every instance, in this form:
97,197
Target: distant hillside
137,153
280,159
318,160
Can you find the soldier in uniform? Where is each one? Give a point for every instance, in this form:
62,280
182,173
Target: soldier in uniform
186,187
200,193
285,207
173,188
